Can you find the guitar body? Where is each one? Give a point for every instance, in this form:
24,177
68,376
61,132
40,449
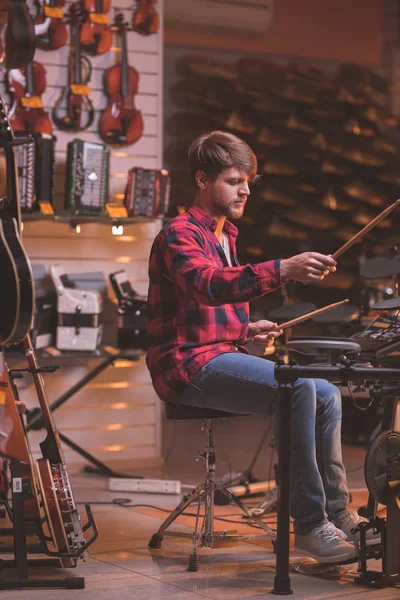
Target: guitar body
17,297
10,297
55,503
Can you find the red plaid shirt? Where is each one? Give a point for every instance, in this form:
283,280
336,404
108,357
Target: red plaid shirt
198,306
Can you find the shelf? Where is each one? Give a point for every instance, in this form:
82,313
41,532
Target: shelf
75,219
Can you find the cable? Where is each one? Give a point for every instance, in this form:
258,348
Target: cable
125,503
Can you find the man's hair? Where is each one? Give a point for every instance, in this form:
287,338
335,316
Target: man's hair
214,152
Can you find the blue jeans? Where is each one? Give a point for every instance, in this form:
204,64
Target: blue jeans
240,383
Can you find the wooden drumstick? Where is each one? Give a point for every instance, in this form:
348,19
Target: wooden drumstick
303,318
358,236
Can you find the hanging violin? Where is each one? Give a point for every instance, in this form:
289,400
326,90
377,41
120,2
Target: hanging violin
27,113
96,34
121,123
145,19
51,31
74,109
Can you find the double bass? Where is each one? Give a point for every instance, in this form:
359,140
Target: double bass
74,109
121,123
27,112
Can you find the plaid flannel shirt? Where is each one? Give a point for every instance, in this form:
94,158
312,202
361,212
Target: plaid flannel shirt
198,306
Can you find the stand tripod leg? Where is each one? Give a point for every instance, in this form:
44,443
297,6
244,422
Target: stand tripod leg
184,503
247,512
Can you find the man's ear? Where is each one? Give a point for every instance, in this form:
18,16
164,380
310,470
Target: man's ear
202,180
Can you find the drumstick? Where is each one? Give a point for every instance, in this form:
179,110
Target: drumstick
312,314
358,236
303,318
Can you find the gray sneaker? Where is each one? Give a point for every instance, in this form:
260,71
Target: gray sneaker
326,544
348,521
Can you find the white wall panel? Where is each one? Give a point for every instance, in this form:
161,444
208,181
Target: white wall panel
117,416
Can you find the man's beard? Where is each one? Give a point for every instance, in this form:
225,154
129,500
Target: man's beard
230,211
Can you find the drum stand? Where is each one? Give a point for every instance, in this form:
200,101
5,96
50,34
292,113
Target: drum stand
387,479
382,473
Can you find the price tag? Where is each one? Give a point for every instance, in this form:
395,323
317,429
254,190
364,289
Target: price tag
17,485
80,89
32,102
99,18
54,12
46,208
116,212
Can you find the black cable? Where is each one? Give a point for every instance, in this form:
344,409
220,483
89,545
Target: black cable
125,503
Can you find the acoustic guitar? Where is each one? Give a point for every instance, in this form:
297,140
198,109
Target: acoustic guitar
17,297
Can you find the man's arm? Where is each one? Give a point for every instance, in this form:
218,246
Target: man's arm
183,250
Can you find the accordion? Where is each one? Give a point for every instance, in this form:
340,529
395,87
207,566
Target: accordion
35,169
87,177
147,192
25,163
132,313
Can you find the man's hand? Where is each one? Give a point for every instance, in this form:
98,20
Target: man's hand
263,333
307,267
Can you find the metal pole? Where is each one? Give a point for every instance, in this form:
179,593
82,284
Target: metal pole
282,579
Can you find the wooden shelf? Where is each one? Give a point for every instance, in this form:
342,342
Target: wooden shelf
75,219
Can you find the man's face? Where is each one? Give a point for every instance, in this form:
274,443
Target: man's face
229,193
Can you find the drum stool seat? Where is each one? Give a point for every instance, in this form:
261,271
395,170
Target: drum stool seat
204,534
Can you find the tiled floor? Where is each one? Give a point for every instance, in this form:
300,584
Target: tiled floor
121,567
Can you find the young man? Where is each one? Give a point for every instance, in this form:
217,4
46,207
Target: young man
198,324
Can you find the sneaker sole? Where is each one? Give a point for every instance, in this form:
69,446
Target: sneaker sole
346,556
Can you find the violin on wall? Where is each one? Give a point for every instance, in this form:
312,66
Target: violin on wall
121,123
74,109
27,113
96,34
51,31
145,19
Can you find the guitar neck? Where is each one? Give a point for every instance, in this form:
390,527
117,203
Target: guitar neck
51,446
